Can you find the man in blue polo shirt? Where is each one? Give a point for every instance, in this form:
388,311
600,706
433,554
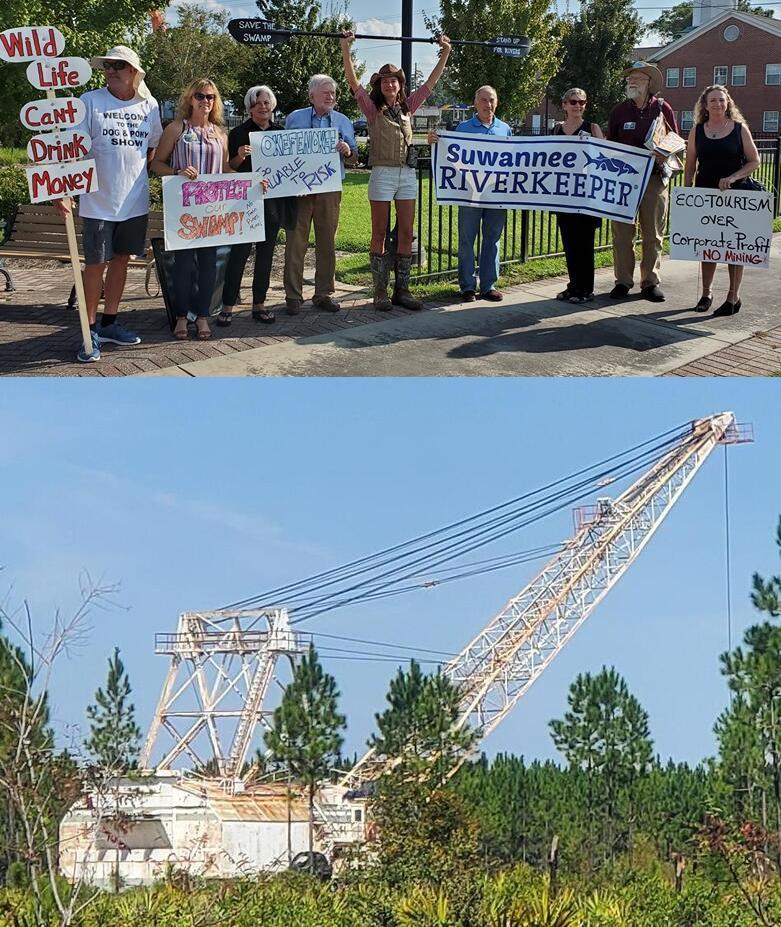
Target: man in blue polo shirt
320,208
484,122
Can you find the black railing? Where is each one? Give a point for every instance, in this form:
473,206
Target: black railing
531,234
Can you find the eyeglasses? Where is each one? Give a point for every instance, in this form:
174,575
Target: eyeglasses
114,65
576,102
205,96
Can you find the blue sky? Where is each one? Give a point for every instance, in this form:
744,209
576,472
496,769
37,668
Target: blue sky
374,20
199,493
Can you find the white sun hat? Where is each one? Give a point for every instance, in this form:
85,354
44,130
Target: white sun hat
123,53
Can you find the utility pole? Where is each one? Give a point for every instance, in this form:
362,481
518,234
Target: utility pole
406,46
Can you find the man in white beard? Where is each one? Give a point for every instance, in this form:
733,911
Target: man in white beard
629,123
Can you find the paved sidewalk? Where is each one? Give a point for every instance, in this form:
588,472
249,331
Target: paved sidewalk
529,334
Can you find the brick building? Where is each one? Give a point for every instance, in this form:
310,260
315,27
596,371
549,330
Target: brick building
740,50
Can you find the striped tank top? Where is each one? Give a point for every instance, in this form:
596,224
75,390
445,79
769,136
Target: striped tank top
200,148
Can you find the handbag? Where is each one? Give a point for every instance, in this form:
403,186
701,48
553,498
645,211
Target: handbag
747,183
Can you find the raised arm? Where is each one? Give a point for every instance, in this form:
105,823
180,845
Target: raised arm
349,71
444,44
691,158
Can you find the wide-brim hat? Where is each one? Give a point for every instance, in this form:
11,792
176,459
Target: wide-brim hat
653,74
388,70
123,53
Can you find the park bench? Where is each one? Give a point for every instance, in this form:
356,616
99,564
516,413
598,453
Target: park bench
39,233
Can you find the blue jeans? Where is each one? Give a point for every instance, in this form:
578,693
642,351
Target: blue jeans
469,218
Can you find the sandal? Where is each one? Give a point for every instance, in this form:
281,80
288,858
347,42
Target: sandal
225,318
264,315
180,331
202,330
565,294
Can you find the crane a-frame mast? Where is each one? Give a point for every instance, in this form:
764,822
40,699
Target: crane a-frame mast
500,663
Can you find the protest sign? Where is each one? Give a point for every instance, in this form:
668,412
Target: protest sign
723,226
55,181
219,209
56,73
558,173
30,42
58,146
60,113
297,161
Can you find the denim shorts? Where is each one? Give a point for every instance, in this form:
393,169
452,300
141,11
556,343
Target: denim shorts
102,239
393,183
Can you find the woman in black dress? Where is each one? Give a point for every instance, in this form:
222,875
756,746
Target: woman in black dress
719,153
577,231
260,104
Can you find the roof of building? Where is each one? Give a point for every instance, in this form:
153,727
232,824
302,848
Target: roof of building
750,19
267,802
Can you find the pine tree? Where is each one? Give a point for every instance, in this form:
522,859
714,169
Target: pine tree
306,728
115,736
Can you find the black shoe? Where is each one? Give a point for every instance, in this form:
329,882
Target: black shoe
728,308
565,294
653,294
704,304
325,304
293,306
468,296
619,291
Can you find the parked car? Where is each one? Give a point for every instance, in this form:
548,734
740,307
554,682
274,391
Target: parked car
361,127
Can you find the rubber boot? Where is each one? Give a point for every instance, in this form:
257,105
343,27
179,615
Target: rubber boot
380,274
401,293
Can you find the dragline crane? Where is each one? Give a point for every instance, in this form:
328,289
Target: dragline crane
223,662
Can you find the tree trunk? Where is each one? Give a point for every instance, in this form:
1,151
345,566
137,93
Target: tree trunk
311,827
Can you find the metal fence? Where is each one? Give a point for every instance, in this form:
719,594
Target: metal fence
531,234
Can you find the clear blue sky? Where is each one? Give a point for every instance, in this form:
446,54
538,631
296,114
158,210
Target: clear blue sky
195,494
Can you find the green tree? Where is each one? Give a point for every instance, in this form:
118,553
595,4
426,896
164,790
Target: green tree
198,46
519,83
305,732
114,738
605,734
288,66
596,47
419,725
766,596
89,29
678,19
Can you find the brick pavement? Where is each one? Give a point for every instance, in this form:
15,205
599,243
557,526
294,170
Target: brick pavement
39,336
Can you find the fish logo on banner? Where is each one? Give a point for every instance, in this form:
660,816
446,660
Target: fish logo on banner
555,173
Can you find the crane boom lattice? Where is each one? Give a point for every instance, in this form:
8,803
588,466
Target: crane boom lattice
500,663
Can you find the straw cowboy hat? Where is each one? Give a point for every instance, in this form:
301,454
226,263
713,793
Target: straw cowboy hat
123,53
388,70
653,74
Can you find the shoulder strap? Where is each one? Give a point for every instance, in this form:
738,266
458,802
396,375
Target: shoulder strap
739,127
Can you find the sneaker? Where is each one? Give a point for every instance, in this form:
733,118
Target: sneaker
116,334
619,291
292,306
325,304
94,355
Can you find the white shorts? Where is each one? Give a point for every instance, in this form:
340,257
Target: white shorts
393,183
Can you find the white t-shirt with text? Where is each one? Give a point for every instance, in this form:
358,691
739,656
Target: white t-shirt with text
122,132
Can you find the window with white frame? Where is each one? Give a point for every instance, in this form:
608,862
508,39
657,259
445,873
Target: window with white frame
720,73
690,77
738,75
772,74
770,122
673,77
687,120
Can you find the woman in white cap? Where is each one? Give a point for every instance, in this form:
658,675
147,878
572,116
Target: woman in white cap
722,153
388,112
123,122
194,144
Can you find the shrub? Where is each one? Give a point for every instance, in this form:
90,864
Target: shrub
13,191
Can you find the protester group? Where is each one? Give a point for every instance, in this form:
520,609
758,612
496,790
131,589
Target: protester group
124,123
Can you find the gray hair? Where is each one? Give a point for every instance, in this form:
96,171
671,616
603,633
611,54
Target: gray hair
572,92
251,96
486,87
316,81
